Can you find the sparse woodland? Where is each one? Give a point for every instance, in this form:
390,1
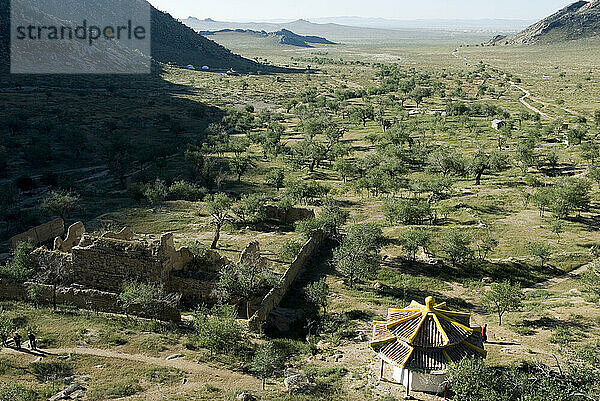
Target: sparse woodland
418,194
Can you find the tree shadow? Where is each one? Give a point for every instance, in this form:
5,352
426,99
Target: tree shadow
517,272
552,323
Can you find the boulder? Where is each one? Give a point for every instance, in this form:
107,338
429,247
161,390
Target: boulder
124,235
251,256
245,397
298,384
68,392
283,319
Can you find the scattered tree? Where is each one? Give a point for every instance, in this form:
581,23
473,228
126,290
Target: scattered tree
358,256
486,245
218,208
456,245
541,251
275,178
266,360
316,293
58,203
503,297
414,239
52,270
218,330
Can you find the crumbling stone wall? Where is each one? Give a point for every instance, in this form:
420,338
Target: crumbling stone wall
274,297
88,299
74,234
106,263
194,289
40,234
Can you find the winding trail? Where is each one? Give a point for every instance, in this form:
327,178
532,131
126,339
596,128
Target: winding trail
523,100
526,95
544,285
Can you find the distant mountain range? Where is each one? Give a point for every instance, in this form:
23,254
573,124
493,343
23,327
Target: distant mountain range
284,36
477,25
577,21
332,31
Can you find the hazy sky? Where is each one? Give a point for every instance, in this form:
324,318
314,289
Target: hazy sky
234,10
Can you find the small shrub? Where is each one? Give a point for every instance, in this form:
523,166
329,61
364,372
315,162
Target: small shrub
163,375
18,270
407,211
5,366
183,190
16,392
218,330
35,294
290,250
115,339
109,391
51,371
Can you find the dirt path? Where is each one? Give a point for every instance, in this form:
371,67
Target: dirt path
526,95
523,100
544,285
201,373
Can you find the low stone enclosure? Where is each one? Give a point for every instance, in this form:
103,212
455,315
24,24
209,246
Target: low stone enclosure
81,298
99,265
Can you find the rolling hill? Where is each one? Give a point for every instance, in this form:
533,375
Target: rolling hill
332,31
577,21
283,37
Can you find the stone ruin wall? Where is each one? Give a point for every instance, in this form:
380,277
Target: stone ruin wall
40,234
81,298
105,262
274,297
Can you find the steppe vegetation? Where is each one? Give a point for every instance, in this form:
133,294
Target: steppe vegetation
394,149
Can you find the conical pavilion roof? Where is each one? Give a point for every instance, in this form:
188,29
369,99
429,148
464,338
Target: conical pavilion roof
426,337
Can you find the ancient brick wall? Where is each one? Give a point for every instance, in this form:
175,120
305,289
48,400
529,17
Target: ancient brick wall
194,290
274,297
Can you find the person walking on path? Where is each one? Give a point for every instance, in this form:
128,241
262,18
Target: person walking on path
484,336
17,339
32,340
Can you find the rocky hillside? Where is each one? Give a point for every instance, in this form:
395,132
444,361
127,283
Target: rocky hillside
172,41
284,36
577,21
